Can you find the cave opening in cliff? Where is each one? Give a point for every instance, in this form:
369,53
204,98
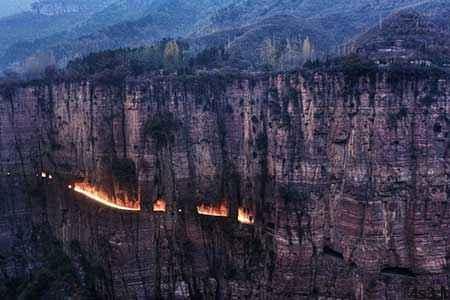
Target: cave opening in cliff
246,216
215,210
159,205
96,194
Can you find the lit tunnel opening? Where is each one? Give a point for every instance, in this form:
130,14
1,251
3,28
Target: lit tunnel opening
246,216
214,210
103,198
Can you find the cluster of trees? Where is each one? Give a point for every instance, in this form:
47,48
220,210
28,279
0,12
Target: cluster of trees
33,67
215,57
36,65
284,54
162,128
170,56
351,66
166,55
175,57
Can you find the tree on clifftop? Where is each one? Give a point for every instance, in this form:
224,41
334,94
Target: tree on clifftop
172,54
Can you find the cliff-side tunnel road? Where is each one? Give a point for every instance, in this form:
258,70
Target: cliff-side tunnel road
103,198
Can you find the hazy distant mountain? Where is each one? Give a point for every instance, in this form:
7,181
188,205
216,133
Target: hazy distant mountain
10,7
244,12
158,19
243,25
45,18
118,11
28,26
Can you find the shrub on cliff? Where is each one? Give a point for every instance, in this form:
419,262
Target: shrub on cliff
124,170
261,142
290,194
215,57
161,128
57,274
354,67
8,84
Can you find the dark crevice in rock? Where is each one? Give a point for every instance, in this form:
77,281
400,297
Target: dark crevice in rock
398,271
331,252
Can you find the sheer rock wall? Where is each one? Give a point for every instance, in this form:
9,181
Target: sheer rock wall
348,178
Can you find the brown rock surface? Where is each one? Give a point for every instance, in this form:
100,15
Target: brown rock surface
348,179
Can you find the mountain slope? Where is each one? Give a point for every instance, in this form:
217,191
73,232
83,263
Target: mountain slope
244,12
409,35
28,26
241,24
119,11
280,42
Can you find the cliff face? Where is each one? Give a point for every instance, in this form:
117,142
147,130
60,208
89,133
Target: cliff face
347,178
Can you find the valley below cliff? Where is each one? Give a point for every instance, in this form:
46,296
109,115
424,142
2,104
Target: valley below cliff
323,185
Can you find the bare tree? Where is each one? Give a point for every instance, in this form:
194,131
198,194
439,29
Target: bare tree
269,52
172,53
307,48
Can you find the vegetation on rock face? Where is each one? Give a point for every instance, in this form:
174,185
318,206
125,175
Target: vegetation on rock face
124,170
291,194
355,67
162,128
262,142
395,117
55,277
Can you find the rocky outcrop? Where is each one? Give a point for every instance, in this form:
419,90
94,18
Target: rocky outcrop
347,179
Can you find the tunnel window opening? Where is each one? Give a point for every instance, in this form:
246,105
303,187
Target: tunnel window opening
215,210
159,205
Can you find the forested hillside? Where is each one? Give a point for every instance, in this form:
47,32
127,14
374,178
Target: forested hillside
255,33
409,36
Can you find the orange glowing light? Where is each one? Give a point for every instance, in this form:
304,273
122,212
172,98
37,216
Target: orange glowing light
217,210
246,216
159,206
103,198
